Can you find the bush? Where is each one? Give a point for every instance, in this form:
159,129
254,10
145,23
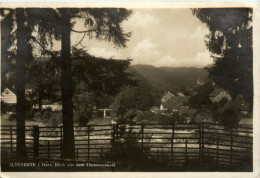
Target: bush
229,118
3,107
46,114
37,114
82,119
12,117
50,118
55,119
127,150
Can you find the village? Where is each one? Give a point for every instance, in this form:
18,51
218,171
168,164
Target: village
172,104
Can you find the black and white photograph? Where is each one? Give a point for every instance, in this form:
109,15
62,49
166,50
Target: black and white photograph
125,89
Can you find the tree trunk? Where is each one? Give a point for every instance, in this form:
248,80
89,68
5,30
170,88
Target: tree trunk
67,87
20,86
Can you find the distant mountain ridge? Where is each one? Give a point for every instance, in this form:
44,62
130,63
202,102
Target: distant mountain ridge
168,78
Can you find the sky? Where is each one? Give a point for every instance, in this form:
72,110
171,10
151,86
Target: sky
160,37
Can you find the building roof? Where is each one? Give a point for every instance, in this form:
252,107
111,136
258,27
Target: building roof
181,99
8,91
153,108
167,96
246,121
215,92
177,106
176,102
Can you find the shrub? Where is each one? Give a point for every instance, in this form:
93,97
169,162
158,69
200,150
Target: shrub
50,118
55,119
37,114
229,118
12,117
3,107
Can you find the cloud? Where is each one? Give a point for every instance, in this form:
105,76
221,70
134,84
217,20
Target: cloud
199,33
142,20
201,59
144,52
165,61
105,53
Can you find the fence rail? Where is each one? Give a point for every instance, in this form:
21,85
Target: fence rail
175,146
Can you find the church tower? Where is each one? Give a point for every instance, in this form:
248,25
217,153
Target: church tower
198,82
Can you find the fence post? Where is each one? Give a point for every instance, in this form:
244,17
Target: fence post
35,141
11,138
231,149
101,156
202,143
172,140
88,139
49,151
200,149
158,155
142,132
61,142
217,154
186,155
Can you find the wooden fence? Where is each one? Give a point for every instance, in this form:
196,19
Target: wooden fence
169,147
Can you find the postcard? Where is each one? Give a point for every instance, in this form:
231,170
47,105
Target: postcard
130,89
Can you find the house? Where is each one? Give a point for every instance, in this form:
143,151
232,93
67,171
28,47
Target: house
180,94
219,94
167,96
154,109
8,96
175,103
176,107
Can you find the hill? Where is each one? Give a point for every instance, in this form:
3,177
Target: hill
168,78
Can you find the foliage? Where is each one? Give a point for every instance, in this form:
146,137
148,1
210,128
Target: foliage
43,75
136,98
166,118
7,107
201,99
51,118
229,118
230,42
101,76
126,148
83,109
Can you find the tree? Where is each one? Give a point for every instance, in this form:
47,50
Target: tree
201,99
42,76
105,24
230,42
20,85
135,98
6,43
229,118
50,24
20,37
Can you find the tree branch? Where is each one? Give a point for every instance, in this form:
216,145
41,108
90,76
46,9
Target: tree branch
80,40
49,52
86,31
